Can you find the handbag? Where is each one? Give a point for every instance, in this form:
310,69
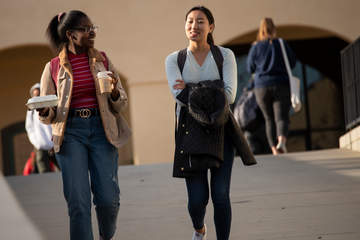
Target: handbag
294,81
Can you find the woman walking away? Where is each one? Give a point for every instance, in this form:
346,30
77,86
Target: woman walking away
87,124
203,80
272,87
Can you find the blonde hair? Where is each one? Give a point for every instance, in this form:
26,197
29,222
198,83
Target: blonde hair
267,30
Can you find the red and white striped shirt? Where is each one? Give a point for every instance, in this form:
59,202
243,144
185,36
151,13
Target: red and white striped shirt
83,92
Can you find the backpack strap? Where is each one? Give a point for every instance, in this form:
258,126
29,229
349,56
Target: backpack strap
219,58
54,69
181,59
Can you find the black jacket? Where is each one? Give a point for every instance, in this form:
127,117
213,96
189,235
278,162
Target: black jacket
202,125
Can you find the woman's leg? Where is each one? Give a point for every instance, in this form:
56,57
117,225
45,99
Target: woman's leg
73,161
282,106
198,197
42,161
220,192
264,98
103,166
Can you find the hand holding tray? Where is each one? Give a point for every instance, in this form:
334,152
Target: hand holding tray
42,102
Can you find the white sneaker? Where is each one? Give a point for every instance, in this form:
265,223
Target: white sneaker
281,147
199,236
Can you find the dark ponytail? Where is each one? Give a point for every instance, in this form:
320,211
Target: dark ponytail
210,18
210,39
56,30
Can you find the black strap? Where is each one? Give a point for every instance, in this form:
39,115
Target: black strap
181,59
219,58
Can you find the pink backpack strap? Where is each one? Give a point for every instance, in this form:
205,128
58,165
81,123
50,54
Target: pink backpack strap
54,68
105,62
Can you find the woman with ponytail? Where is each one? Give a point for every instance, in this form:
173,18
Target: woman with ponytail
186,70
87,126
271,83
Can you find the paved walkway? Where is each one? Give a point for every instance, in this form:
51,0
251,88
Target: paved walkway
300,196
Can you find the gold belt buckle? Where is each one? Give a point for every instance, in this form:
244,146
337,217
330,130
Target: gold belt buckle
84,113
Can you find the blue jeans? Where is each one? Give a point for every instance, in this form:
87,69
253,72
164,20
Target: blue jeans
85,150
198,194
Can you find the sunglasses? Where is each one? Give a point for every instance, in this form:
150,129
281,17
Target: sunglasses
87,29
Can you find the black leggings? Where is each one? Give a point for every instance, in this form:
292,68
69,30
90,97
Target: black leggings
274,102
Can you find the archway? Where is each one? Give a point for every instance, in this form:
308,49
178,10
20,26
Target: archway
321,121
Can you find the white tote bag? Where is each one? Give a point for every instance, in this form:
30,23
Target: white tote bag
294,81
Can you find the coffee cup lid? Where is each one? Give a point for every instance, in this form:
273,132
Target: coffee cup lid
103,74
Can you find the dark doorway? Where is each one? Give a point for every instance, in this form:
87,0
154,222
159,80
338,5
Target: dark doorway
15,148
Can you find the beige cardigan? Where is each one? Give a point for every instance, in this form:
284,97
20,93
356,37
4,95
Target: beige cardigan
115,126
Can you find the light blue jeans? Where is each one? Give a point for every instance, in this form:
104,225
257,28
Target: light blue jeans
85,150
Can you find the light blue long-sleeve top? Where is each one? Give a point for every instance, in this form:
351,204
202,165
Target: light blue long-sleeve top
194,73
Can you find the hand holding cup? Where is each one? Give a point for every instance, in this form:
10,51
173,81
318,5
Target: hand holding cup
105,81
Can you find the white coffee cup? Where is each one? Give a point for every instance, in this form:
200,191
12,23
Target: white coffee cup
104,81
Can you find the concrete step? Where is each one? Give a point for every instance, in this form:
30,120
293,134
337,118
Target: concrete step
295,196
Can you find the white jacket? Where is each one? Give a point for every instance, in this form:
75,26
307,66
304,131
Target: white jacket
38,133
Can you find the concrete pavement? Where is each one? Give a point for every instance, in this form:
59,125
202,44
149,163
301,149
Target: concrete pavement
298,196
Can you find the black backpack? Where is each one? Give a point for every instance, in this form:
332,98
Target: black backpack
218,57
